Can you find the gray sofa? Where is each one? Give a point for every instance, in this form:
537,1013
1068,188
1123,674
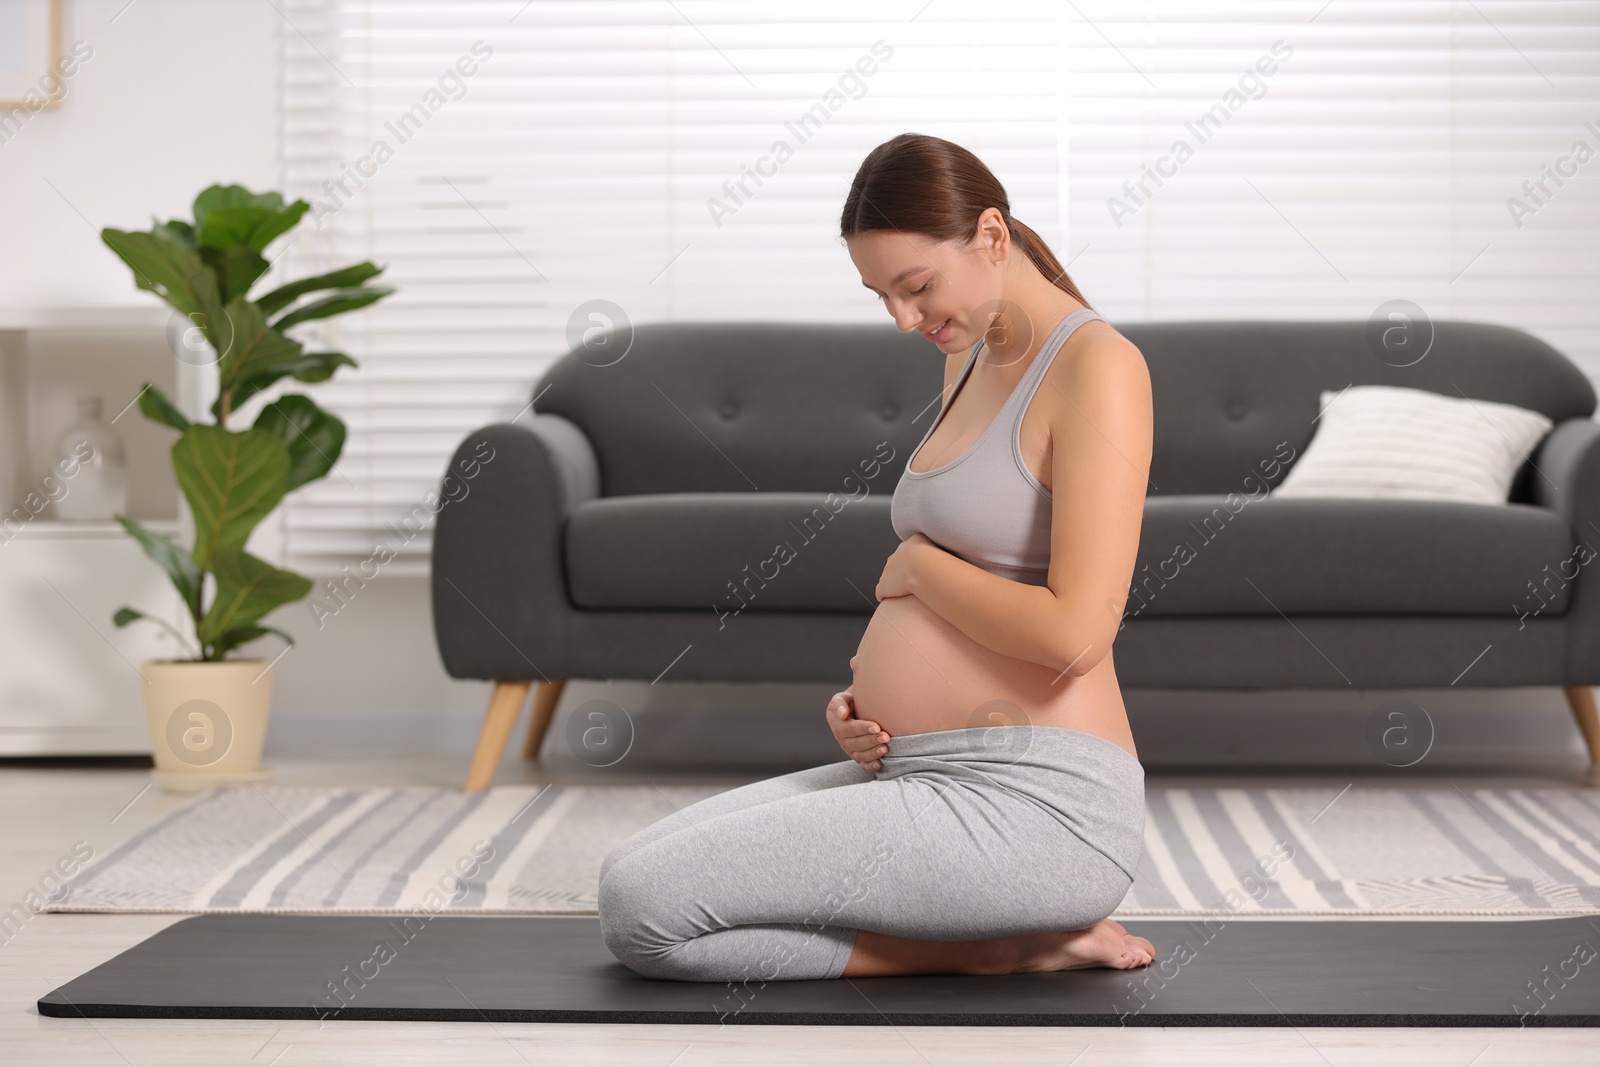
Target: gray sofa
715,507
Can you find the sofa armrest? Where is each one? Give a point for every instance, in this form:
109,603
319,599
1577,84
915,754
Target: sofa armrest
1566,479
499,590
1569,460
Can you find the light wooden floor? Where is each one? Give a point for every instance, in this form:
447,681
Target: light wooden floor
45,810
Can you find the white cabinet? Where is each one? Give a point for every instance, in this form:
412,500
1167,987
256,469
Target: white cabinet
69,679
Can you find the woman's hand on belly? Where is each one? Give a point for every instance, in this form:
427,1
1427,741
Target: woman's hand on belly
896,577
862,740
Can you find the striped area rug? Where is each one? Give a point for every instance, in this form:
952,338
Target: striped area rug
537,850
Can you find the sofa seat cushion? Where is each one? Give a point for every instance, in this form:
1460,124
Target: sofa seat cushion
729,552
1242,555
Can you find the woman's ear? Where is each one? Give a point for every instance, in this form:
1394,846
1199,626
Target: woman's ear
993,237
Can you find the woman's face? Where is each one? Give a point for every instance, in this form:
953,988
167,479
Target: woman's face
938,288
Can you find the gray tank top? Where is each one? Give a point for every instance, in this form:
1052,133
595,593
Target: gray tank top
985,505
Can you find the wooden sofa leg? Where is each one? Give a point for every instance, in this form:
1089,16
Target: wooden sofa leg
544,709
505,704
1581,699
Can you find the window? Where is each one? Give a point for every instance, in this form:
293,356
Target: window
1308,159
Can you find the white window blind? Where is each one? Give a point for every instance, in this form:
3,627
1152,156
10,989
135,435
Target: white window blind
576,162
1374,163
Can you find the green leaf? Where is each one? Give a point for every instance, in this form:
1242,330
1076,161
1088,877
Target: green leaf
313,437
154,405
215,197
178,564
176,230
232,480
227,216
344,278
172,271
288,638
335,304
254,228
306,367
318,366
237,268
229,640
125,615
254,348
247,589
230,215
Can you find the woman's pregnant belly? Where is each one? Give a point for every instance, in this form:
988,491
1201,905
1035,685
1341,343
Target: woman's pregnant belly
916,673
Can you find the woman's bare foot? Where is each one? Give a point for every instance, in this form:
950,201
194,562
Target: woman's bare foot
1105,944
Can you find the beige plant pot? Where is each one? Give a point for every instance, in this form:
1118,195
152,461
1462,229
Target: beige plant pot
208,721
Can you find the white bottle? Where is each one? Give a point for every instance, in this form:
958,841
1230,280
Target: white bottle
97,486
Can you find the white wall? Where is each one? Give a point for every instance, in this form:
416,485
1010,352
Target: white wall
177,94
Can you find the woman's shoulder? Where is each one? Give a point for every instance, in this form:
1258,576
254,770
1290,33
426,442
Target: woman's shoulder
1096,356
1098,390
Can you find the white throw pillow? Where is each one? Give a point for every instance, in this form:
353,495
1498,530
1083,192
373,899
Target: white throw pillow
1385,442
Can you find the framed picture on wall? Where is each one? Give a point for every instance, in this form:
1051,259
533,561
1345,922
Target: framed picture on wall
30,42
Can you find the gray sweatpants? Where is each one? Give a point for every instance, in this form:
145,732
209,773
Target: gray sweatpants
962,835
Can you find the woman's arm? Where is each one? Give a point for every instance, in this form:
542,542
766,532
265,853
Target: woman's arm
1101,431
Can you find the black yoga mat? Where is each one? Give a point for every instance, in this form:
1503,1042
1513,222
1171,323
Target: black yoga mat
1232,972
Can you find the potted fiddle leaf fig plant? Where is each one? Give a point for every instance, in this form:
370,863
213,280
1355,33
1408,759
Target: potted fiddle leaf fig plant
207,714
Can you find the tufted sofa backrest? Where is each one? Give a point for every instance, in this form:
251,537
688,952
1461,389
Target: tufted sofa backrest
1227,394
824,407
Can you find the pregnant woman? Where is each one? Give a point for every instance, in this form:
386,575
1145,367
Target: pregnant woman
992,814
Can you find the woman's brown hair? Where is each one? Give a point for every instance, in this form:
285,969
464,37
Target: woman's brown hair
917,183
